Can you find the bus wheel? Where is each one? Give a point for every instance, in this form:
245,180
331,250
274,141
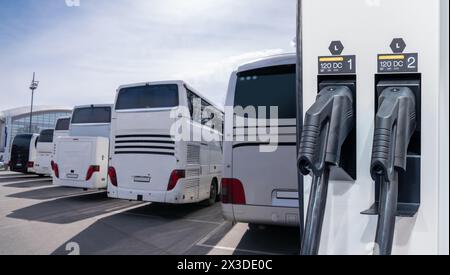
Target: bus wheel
256,227
213,193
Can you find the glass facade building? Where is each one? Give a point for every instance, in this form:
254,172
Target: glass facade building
17,121
41,121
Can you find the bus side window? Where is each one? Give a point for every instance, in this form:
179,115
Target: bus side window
210,114
190,99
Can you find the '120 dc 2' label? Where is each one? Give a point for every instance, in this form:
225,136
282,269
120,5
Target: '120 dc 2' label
398,63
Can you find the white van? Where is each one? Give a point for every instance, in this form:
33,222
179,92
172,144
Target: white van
147,162
23,153
260,187
81,159
44,153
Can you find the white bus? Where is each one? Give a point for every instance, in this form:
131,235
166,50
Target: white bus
81,159
44,153
147,162
33,154
261,188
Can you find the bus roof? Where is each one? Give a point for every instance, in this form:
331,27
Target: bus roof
177,82
91,106
275,60
64,117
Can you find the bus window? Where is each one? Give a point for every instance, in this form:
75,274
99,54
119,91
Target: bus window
63,124
22,143
208,115
148,97
91,115
268,87
46,136
190,99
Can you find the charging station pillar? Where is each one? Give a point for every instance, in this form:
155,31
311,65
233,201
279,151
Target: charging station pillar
378,44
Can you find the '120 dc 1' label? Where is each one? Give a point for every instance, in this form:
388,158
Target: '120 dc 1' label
345,64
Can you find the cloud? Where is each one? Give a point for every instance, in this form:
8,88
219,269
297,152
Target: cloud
214,76
82,54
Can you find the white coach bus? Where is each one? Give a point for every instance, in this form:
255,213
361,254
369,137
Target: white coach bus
261,188
44,154
148,163
81,158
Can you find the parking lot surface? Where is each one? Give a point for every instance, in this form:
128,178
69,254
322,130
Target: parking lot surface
39,218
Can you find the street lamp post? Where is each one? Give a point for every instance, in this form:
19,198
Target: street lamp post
34,85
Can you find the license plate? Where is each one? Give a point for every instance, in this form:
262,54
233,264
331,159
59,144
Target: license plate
19,165
72,176
142,179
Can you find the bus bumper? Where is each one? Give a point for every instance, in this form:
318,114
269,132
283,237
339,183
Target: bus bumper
80,184
264,215
170,197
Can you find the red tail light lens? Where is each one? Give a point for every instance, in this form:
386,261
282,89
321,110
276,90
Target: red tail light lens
92,169
233,192
112,176
30,164
56,170
174,178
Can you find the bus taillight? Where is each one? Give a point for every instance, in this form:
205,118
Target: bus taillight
55,169
112,176
30,164
233,192
174,178
92,169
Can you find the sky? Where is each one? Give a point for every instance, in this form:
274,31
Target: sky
82,53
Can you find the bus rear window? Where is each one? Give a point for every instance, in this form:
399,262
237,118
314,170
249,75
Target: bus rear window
92,115
148,97
46,136
63,124
274,86
22,142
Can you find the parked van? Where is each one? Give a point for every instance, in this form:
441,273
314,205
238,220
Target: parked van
81,159
44,153
147,162
23,153
262,187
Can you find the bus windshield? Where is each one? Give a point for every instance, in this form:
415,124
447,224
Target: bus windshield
274,86
92,115
46,136
148,97
63,124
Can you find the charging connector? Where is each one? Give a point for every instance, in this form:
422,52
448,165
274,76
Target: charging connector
327,125
395,124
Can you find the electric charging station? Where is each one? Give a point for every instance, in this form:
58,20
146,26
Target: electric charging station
394,54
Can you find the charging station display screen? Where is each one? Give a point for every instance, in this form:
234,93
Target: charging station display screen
275,86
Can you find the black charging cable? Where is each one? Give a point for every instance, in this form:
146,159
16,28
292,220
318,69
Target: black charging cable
394,126
327,125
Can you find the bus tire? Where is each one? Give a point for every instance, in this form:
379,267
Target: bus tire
213,193
256,227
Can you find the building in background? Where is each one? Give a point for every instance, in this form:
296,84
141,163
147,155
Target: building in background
17,121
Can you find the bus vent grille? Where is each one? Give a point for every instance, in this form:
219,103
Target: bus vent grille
193,154
193,178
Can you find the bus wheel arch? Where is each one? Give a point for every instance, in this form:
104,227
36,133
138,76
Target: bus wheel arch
214,192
